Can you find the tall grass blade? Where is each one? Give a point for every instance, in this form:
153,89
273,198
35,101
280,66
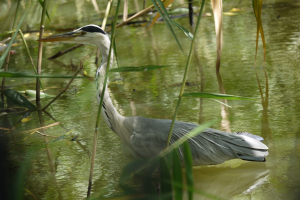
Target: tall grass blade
163,12
215,96
40,54
42,4
257,7
165,178
101,101
2,58
217,10
188,163
185,74
177,175
138,69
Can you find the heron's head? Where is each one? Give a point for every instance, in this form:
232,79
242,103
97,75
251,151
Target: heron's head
88,34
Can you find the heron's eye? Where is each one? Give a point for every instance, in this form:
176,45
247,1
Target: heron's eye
83,33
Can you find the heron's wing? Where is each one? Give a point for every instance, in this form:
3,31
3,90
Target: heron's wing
209,147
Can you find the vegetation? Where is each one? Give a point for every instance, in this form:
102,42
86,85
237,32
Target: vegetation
162,175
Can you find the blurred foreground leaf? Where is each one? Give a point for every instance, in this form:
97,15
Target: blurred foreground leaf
177,175
215,96
137,69
188,163
165,178
15,98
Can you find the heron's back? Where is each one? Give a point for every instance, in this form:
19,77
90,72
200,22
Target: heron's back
212,146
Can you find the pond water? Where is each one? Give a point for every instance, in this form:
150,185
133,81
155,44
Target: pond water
60,169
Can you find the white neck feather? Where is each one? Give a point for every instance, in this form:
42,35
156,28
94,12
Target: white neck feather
110,114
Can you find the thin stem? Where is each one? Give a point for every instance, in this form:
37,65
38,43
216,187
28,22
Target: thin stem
81,66
185,75
40,54
39,66
101,101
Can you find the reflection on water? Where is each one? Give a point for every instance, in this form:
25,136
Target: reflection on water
60,169
227,182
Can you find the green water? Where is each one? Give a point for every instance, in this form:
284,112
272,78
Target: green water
60,170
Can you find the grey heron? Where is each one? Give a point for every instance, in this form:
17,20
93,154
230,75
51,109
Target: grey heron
145,137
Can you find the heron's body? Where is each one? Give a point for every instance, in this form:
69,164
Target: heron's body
145,137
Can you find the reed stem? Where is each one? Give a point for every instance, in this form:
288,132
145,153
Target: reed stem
101,101
185,75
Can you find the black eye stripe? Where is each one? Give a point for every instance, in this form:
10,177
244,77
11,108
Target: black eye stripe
93,28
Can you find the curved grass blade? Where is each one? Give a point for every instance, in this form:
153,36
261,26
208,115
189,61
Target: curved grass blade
165,178
188,162
42,4
22,75
16,98
215,96
177,175
163,12
138,69
30,57
2,58
185,74
166,3
7,32
184,30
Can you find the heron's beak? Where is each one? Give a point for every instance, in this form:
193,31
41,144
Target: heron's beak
61,37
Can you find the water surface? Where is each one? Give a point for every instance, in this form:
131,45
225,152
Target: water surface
61,169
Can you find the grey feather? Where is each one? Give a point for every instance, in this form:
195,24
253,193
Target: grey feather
209,147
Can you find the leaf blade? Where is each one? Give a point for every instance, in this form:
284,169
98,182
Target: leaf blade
184,30
215,96
163,12
16,98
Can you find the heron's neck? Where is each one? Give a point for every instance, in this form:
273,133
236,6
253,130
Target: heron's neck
110,114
